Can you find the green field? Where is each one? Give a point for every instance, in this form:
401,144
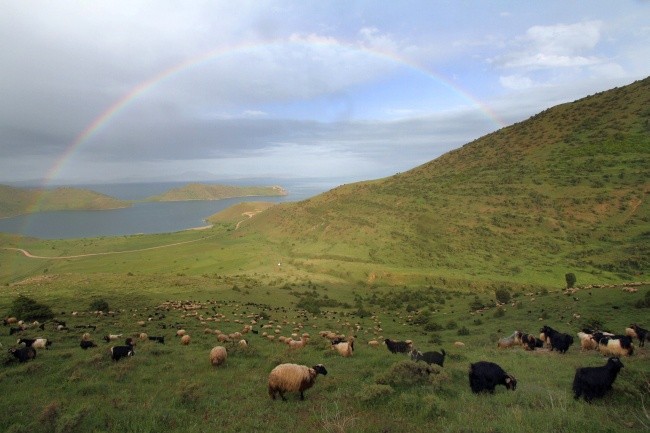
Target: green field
418,256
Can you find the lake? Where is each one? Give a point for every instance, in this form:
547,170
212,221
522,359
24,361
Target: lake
155,217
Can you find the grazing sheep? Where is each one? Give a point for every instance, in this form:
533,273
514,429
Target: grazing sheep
344,348
23,354
185,340
293,378
398,346
485,376
9,321
218,355
558,340
112,337
297,344
594,382
373,343
437,358
587,341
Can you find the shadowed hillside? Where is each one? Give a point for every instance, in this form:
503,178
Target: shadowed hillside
564,190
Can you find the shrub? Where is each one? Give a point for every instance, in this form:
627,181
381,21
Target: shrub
374,392
502,295
99,305
26,308
407,373
570,279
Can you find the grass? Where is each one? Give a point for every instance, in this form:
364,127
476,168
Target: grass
173,387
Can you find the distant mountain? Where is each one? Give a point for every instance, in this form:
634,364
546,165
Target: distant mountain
18,201
198,191
565,190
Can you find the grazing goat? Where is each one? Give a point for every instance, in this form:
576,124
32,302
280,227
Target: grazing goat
119,352
558,340
485,376
23,353
594,382
640,333
398,346
437,358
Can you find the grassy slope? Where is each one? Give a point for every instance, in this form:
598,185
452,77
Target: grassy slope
196,191
563,191
17,201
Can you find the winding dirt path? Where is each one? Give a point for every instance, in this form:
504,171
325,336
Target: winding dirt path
32,256
249,215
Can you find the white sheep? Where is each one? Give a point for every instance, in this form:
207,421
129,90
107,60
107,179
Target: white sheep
293,378
587,341
218,355
345,348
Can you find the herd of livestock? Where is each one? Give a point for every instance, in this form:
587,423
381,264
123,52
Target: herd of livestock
484,376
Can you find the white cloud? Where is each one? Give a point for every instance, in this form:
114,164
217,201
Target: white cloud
515,82
556,46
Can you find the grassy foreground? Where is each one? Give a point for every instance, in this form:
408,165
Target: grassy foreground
174,388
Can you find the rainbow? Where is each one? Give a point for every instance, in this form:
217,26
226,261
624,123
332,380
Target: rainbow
142,88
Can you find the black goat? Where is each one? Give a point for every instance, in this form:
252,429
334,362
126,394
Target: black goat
86,344
485,376
157,339
559,341
398,346
437,358
594,382
641,334
23,353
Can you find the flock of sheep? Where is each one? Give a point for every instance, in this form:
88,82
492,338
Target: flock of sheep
484,376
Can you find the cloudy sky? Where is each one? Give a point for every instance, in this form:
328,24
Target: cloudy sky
122,91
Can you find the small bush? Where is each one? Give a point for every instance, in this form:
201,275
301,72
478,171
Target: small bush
99,305
502,295
28,309
570,280
407,373
374,392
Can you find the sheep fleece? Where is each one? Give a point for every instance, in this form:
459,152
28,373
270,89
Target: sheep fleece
291,378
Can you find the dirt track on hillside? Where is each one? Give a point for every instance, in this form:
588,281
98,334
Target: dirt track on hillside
32,256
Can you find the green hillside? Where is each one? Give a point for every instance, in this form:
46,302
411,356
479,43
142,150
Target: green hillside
18,201
565,190
197,191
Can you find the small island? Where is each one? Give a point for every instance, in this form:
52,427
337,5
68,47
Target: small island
21,201
198,191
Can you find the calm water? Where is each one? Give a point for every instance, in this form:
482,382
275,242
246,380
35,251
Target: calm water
142,217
